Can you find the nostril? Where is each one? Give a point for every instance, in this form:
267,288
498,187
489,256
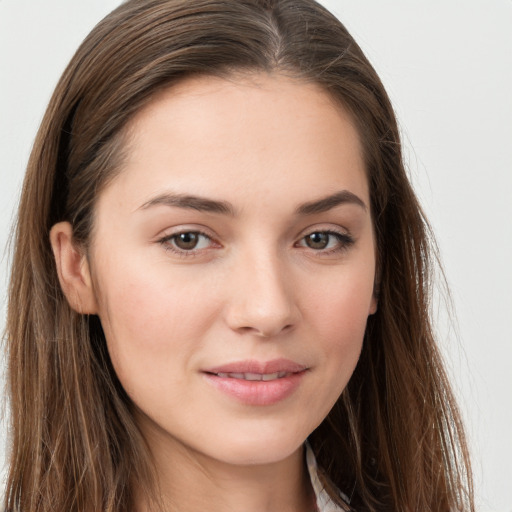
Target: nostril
265,332
265,307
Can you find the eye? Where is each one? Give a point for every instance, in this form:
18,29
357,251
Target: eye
327,241
320,240
187,241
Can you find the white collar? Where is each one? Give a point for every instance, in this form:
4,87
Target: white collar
324,502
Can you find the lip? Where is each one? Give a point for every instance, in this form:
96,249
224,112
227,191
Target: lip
252,366
257,392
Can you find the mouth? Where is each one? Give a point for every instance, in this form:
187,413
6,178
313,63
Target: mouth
253,376
257,383
257,370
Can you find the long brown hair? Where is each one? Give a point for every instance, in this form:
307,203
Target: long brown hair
393,441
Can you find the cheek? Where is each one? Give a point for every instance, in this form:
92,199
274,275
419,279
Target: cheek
339,313
150,321
342,300
341,333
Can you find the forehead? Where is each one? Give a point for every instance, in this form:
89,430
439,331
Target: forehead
241,135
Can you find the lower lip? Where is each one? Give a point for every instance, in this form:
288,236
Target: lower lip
257,392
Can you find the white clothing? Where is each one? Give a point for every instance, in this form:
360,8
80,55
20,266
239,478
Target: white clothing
323,501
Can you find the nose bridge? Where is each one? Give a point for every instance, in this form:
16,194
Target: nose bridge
264,301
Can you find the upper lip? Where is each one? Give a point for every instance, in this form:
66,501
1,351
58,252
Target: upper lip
261,367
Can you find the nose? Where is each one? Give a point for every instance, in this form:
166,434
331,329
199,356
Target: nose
263,301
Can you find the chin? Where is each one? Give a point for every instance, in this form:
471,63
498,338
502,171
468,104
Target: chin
259,449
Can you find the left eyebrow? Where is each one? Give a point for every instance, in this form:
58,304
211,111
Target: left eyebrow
328,203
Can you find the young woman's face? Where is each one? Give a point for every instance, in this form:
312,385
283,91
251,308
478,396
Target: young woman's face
233,263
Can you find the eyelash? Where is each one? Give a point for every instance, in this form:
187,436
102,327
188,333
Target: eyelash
169,243
345,241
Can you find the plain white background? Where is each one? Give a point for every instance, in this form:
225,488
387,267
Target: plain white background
447,66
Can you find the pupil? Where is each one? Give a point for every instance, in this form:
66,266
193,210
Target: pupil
186,240
318,240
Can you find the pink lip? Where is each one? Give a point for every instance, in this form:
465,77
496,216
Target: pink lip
257,392
276,365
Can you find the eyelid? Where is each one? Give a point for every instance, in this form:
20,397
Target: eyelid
325,228
166,240
345,239
185,228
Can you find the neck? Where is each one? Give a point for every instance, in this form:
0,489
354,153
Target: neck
189,481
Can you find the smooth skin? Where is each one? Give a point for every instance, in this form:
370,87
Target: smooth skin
238,229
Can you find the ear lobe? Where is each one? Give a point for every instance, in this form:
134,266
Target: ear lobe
375,297
73,270
373,305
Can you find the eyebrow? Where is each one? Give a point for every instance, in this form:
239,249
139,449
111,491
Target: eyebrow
204,204
328,203
191,202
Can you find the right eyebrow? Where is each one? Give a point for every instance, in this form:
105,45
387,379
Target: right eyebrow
192,202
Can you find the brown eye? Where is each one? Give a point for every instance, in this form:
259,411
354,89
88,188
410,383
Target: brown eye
187,241
318,240
326,242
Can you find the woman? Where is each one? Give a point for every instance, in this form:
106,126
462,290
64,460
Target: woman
220,289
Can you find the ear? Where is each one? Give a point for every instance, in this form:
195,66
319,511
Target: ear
73,270
375,296
373,305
